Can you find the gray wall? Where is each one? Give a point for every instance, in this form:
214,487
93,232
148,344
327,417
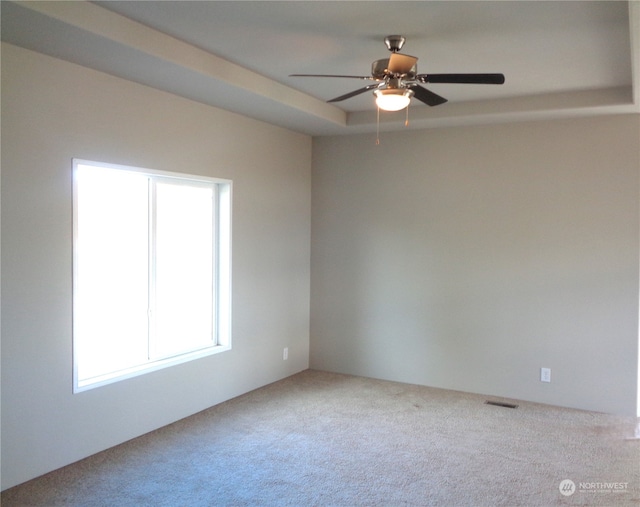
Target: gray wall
463,258
468,258
53,111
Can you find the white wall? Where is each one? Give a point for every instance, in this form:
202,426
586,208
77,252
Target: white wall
468,258
53,111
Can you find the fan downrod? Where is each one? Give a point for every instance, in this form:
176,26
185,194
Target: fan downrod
394,43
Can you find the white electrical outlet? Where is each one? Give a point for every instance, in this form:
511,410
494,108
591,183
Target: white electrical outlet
545,374
285,354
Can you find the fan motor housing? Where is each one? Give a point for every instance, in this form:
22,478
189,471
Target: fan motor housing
380,70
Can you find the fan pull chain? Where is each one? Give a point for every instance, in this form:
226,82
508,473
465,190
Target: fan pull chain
378,128
406,120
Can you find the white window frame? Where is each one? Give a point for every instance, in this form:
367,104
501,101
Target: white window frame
222,268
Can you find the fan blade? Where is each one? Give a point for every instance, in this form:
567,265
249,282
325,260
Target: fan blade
401,64
462,78
426,96
354,93
331,75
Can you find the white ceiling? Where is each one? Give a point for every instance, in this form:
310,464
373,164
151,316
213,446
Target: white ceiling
560,59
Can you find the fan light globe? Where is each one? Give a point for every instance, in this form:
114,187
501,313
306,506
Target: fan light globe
393,99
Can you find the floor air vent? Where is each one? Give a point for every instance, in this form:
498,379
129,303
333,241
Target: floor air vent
500,404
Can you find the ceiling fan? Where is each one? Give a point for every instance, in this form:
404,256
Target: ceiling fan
397,80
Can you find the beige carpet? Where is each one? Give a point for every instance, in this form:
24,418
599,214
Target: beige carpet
323,439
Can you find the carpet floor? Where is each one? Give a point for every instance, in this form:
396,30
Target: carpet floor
324,439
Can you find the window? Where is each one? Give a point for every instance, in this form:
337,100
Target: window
151,266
